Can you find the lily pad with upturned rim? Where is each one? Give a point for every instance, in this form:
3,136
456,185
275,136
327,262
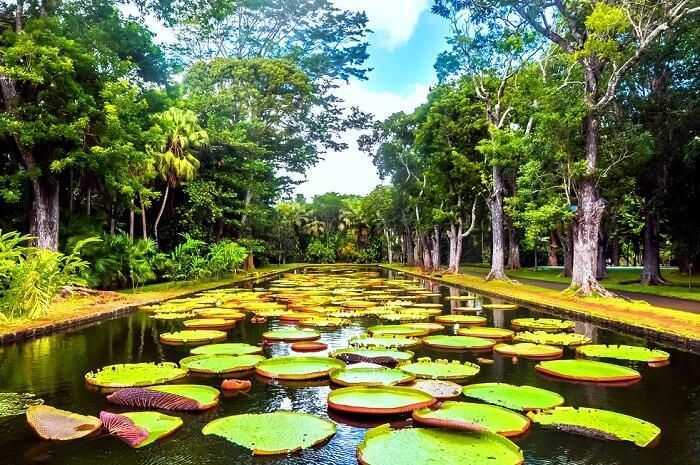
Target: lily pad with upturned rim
60,425
458,342
272,433
397,355
135,375
396,330
351,376
181,397
441,369
398,342
230,348
297,368
624,352
384,445
523,398
597,423
471,416
529,350
497,334
542,324
589,371
552,339
461,320
291,334
139,429
428,326
386,400
209,323
220,364
192,336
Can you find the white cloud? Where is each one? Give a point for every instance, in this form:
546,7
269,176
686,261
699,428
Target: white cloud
393,20
352,171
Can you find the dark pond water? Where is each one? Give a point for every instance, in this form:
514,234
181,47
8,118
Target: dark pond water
53,368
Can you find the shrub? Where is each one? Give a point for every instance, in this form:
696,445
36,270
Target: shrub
320,252
226,257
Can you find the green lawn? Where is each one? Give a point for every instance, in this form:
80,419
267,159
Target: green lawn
619,279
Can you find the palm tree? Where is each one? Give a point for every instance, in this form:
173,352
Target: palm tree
179,134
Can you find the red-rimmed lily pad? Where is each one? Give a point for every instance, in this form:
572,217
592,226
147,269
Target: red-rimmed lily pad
297,368
209,323
458,342
192,336
497,334
441,369
135,375
602,424
309,346
624,352
272,433
438,388
523,398
139,429
461,320
60,425
396,330
378,400
470,416
588,371
180,397
552,339
230,348
529,350
352,376
291,334
428,446
220,364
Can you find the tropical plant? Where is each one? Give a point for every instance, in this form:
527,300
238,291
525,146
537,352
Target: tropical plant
320,252
225,257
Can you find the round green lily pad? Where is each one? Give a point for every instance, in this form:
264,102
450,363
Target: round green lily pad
552,339
135,375
297,368
397,355
370,377
542,324
272,433
172,316
461,320
428,446
291,335
529,350
192,336
524,398
398,342
441,369
139,429
428,326
473,417
458,342
220,364
498,334
622,352
588,370
598,423
378,400
209,323
325,322
231,348
396,330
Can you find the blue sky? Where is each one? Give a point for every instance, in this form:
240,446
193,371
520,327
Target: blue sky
406,41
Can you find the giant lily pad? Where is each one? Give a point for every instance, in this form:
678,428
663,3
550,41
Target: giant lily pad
291,334
497,334
428,326
542,324
232,348
370,377
272,433
529,350
438,388
220,364
192,336
378,400
458,342
396,330
135,375
441,369
588,370
634,353
222,313
371,355
397,342
16,403
60,425
522,398
209,323
297,368
461,320
139,429
329,322
427,446
473,417
552,339
602,424
185,397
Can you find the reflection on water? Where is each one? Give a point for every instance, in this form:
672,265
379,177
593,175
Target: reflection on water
53,368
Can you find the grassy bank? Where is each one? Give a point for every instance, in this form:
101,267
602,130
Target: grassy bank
76,309
683,328
618,279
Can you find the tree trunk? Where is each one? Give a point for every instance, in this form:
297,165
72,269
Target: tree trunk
601,266
45,213
651,273
144,224
495,204
436,259
249,264
566,239
455,238
513,249
132,221
160,212
389,249
417,250
552,259
615,251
